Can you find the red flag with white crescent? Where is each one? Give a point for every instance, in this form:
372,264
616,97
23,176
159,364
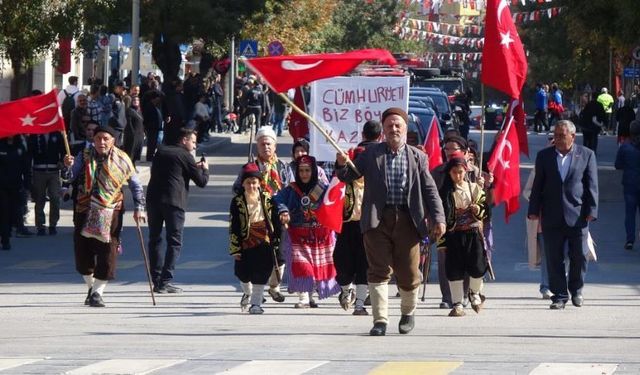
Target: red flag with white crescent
284,72
504,163
329,213
516,109
432,144
32,115
504,63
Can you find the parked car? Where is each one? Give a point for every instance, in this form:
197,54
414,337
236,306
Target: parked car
420,120
442,105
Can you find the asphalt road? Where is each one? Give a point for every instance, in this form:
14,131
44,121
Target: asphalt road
46,329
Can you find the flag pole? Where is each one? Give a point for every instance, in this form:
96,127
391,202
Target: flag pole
66,142
482,119
319,128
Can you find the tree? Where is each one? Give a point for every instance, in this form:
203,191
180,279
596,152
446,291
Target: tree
29,29
295,23
359,24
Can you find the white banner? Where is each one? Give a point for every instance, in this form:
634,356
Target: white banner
343,104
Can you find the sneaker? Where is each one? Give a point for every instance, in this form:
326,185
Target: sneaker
42,231
628,246
347,298
23,232
361,311
244,302
168,289
301,305
457,310
87,300
53,231
546,294
276,295
255,309
96,300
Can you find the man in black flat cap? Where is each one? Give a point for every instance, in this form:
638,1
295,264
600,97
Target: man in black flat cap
101,171
400,196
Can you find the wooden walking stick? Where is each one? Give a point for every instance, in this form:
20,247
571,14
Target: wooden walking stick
146,262
426,266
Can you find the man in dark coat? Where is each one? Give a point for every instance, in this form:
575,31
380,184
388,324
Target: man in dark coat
172,169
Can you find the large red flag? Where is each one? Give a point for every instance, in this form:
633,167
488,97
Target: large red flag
432,144
298,124
32,115
504,64
505,165
284,72
329,213
516,109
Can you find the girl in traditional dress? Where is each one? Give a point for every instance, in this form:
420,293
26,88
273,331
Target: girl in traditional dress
309,246
253,233
465,208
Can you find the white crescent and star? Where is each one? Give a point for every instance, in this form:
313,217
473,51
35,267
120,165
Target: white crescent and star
505,163
503,4
326,200
292,65
29,120
505,38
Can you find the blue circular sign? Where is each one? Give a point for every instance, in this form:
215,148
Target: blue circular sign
275,48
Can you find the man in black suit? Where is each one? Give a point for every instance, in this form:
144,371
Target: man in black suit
173,166
564,196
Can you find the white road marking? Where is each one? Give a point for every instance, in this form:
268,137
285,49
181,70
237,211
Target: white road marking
285,367
574,368
125,366
7,363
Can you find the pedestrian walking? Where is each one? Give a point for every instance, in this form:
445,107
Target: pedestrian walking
628,159
565,194
254,232
399,196
101,171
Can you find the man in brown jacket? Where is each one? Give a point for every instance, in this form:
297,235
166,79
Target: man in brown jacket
399,196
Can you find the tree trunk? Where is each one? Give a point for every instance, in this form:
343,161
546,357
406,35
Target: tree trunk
22,82
166,54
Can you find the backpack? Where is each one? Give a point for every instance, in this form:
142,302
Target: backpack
68,104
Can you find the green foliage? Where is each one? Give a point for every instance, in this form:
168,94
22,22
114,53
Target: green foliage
360,24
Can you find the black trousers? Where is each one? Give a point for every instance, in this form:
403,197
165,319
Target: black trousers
539,120
349,256
255,264
163,265
152,143
10,212
590,140
465,255
554,242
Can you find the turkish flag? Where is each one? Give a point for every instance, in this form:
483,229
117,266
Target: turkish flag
516,109
32,115
329,213
504,163
504,64
298,124
288,71
432,144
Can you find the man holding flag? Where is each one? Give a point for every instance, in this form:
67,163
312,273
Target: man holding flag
400,202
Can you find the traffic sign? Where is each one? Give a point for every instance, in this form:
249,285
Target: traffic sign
636,53
103,41
630,72
248,48
275,48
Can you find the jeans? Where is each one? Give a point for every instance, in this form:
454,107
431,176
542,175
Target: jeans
631,208
163,265
278,123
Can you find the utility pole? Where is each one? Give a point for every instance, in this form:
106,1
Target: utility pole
232,73
135,42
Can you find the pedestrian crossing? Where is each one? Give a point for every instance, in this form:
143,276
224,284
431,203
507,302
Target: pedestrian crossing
144,366
42,264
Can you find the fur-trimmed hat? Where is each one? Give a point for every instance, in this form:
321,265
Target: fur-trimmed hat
251,170
266,131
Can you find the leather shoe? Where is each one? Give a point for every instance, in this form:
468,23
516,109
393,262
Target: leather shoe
96,300
87,300
407,322
558,305
577,300
379,329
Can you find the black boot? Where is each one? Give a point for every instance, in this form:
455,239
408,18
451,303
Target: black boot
379,329
96,300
